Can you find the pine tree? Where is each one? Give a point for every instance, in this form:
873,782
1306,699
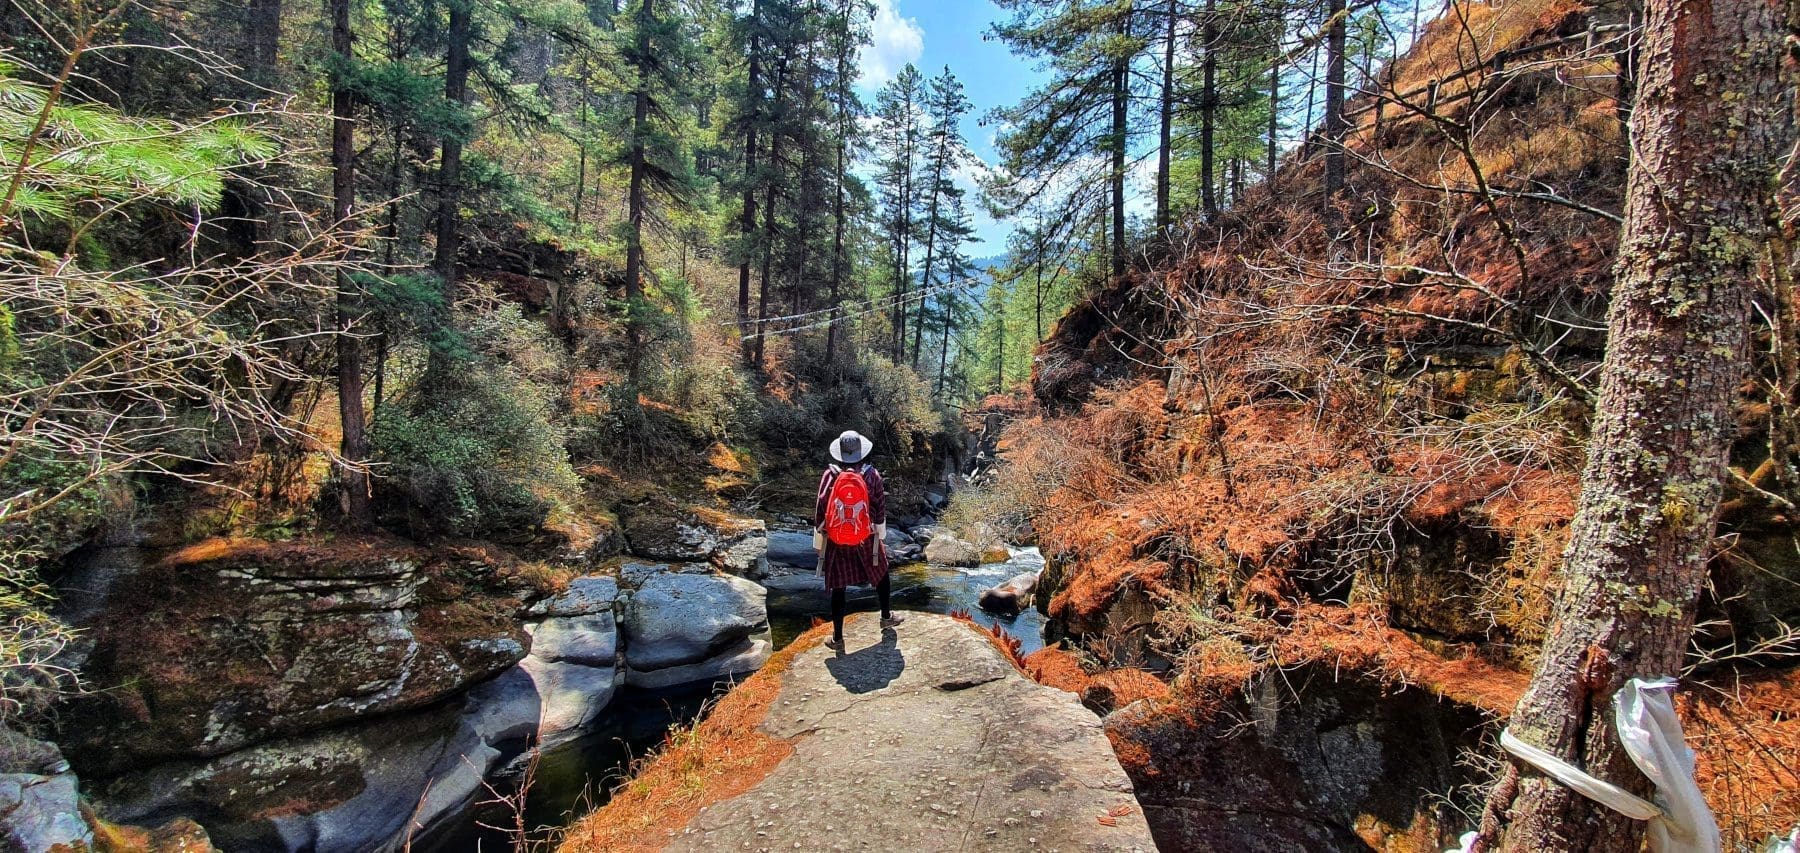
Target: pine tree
898,140
945,152
1083,112
658,51
358,507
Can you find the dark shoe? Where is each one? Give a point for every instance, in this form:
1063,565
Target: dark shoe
835,644
891,621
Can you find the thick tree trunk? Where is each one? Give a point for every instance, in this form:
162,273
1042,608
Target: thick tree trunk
358,506
903,247
449,212
581,149
1335,126
747,219
838,260
1165,120
768,233
1209,110
1713,120
635,203
1275,99
931,223
1121,90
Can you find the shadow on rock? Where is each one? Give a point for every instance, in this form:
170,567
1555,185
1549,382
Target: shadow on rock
871,668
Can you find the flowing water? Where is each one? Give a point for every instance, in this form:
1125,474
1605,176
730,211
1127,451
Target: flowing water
573,779
796,600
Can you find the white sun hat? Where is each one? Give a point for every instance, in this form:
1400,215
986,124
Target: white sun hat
858,446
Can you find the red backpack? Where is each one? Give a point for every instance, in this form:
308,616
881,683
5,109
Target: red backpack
847,509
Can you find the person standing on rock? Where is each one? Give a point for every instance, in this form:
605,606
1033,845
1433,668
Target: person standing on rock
850,530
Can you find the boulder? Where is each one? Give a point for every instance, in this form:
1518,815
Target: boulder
584,595
675,619
42,813
572,671
1010,597
233,642
361,787
740,660
897,539
663,530
793,548
744,553
634,575
569,697
947,550
586,640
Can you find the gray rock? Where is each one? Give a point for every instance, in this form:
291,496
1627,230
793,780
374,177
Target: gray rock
1009,597
586,640
792,548
364,787
634,575
505,709
675,619
942,739
42,812
585,595
744,553
570,696
897,538
659,530
28,755
947,550
746,657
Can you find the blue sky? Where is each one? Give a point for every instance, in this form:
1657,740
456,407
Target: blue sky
935,33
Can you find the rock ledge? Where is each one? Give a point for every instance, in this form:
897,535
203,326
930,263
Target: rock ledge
924,738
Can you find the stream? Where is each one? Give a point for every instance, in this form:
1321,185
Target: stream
573,779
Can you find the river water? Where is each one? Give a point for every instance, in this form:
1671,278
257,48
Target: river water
573,779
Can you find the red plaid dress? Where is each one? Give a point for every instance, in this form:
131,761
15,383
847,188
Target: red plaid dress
846,565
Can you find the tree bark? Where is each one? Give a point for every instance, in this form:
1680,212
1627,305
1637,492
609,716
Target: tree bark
838,260
1275,99
903,239
1121,91
1209,109
768,236
635,203
747,219
1714,119
931,223
1336,127
1166,120
358,505
449,212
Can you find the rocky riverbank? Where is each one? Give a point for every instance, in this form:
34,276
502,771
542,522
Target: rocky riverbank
357,692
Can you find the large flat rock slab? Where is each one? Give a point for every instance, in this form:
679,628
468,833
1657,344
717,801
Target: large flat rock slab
924,738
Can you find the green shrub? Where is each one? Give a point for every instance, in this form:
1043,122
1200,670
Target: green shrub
477,449
33,536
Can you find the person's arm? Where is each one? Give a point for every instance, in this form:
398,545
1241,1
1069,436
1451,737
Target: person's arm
878,505
819,511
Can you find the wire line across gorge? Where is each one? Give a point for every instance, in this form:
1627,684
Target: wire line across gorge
873,305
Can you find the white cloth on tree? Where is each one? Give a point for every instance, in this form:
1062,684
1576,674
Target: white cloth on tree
1644,716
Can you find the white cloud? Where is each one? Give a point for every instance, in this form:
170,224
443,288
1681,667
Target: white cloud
896,41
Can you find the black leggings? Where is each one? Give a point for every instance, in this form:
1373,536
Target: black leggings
883,592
